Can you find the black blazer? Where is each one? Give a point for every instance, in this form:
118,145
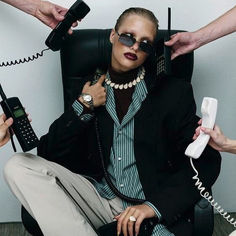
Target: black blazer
163,128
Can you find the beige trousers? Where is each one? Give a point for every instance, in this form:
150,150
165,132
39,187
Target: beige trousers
62,202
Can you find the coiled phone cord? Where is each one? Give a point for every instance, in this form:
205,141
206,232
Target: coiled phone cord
210,199
106,174
19,61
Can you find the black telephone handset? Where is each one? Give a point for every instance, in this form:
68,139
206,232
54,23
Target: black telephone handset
21,126
164,53
76,12
55,39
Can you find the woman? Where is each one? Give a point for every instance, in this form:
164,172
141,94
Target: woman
144,126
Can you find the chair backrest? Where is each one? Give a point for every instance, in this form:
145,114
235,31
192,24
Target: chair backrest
86,50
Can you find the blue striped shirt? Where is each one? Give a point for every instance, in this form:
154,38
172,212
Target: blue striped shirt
122,166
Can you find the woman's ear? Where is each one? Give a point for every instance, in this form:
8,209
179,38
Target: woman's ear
112,35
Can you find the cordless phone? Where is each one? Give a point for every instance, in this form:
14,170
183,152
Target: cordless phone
21,126
164,52
76,12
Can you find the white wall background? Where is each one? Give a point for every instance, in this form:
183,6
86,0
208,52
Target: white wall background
38,84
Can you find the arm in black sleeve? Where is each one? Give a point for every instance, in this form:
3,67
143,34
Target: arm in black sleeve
63,137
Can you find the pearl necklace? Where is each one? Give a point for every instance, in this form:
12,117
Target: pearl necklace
140,76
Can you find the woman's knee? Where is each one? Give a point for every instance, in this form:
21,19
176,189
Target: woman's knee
17,164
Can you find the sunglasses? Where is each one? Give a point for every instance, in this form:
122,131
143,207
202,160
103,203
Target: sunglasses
128,40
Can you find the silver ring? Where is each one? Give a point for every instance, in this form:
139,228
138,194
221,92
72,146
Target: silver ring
132,218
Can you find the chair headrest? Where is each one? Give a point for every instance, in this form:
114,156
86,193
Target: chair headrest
86,50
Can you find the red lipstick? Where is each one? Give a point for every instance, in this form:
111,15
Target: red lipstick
131,56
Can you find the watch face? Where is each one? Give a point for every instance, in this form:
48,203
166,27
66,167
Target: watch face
87,98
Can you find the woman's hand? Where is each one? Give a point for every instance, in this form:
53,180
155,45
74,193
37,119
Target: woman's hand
139,212
97,91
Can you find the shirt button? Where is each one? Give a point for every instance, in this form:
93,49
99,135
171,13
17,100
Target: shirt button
119,158
119,132
121,185
82,118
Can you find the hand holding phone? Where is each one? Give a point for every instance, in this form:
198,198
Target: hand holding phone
209,110
4,129
21,126
77,12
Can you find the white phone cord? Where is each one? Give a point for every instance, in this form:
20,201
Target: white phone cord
210,199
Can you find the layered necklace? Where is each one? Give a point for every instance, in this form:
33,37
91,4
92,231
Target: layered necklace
140,76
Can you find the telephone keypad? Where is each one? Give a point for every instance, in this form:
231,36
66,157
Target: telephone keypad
26,130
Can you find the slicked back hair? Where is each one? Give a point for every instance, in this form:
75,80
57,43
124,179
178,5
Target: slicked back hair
137,11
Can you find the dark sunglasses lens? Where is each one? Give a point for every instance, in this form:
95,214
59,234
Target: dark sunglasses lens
129,41
146,47
126,40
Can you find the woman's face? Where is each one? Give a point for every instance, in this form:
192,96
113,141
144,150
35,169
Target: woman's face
125,58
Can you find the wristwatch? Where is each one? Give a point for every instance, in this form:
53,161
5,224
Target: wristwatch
88,99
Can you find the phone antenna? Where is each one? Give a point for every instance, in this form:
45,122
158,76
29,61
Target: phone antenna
169,21
2,93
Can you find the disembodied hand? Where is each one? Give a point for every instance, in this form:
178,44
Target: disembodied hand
182,43
217,141
51,14
4,129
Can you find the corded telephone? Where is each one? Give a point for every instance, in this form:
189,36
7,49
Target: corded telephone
55,39
76,12
21,126
195,149
12,107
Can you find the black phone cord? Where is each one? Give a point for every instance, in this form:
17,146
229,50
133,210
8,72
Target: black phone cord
106,174
19,61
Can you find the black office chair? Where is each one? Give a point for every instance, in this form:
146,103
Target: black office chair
81,55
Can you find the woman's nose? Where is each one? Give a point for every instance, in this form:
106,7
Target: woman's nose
135,47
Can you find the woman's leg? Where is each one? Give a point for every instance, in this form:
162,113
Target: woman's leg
62,202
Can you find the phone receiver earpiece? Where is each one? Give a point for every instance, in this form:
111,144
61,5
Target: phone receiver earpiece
233,233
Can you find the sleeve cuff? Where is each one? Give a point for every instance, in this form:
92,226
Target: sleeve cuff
79,110
158,214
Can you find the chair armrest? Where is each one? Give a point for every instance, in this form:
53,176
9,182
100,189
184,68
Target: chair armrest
30,223
203,218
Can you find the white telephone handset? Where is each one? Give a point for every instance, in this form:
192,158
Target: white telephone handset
209,110
233,233
195,149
